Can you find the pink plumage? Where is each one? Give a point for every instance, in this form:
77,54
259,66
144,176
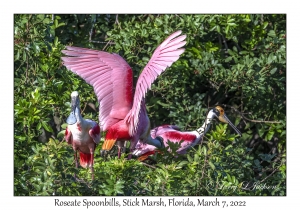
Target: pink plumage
188,139
84,138
163,57
112,79
168,133
82,134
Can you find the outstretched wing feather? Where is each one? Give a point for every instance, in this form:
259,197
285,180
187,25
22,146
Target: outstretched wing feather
164,56
111,78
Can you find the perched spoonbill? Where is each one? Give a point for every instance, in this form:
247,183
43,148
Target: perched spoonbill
82,134
122,114
190,138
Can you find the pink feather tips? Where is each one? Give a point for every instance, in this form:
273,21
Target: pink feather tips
164,56
167,40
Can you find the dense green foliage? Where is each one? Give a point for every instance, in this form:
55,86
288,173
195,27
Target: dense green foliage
237,61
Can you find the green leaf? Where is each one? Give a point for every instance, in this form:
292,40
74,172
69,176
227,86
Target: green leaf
218,29
17,56
204,150
227,29
232,24
229,177
55,41
24,56
46,21
270,135
189,158
34,149
61,134
234,181
182,164
41,16
196,157
272,33
257,163
55,23
64,126
211,165
46,126
273,70
16,30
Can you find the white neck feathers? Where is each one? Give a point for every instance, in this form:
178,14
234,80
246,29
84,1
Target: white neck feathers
206,125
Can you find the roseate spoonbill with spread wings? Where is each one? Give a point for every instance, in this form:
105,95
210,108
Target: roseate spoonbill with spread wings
82,134
122,114
172,133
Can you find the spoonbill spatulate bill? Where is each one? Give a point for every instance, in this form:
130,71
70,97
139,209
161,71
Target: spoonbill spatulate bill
122,112
173,134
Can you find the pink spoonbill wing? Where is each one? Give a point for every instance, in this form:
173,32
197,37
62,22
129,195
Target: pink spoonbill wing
111,78
164,56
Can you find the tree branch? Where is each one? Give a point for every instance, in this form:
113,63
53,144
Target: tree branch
109,42
117,22
148,165
83,108
275,170
242,115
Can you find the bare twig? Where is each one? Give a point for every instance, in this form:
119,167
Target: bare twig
99,42
257,121
203,168
107,44
143,188
216,86
22,62
27,68
82,181
117,22
91,33
275,170
148,165
83,108
49,80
